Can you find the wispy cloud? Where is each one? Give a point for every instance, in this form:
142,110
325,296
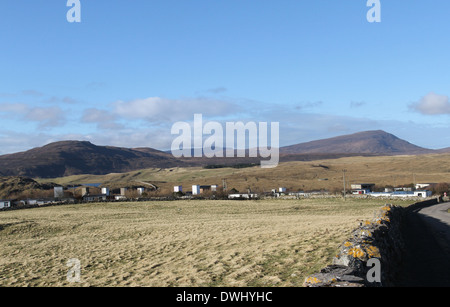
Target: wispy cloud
56,100
156,109
357,104
104,119
217,90
45,116
308,105
32,93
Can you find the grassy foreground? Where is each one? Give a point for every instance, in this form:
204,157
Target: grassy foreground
183,243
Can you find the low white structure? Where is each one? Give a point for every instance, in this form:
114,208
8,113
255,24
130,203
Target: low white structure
360,192
5,204
178,188
105,191
282,190
402,194
247,196
58,192
195,190
140,191
214,187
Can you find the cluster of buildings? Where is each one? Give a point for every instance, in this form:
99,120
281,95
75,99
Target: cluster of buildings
401,192
279,192
105,195
60,197
356,189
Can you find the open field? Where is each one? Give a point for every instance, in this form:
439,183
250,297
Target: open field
295,176
181,243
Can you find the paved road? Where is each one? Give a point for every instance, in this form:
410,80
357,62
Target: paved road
427,239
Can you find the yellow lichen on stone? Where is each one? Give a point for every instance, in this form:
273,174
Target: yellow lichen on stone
356,252
365,233
386,208
347,244
312,280
373,251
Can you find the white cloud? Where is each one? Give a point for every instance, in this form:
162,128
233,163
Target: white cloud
156,109
432,104
45,117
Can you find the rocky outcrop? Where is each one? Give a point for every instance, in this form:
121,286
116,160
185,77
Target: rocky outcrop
370,257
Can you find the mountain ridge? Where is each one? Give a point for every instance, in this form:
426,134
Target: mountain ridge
65,158
366,142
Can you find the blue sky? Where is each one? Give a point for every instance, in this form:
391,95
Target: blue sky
131,69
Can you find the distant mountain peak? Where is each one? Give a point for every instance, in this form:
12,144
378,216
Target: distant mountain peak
66,158
365,142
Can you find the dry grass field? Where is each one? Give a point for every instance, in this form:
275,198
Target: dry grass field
181,243
295,176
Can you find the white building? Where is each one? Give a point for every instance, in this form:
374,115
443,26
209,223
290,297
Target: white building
360,192
178,188
141,191
402,194
58,192
105,191
282,190
5,204
195,190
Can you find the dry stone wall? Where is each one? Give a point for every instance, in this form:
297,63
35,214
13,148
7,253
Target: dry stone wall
370,257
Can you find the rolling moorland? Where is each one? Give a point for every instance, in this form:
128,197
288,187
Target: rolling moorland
295,176
68,158
368,157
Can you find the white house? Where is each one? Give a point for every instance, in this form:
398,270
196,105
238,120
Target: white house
105,191
423,194
58,192
141,191
5,204
360,192
402,194
195,190
178,188
282,190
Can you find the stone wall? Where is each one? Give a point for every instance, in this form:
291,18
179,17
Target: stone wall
380,239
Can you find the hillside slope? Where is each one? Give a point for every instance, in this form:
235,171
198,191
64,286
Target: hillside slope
368,142
80,157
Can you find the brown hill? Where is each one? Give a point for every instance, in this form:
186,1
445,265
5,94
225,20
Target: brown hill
368,142
80,157
443,150
75,157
